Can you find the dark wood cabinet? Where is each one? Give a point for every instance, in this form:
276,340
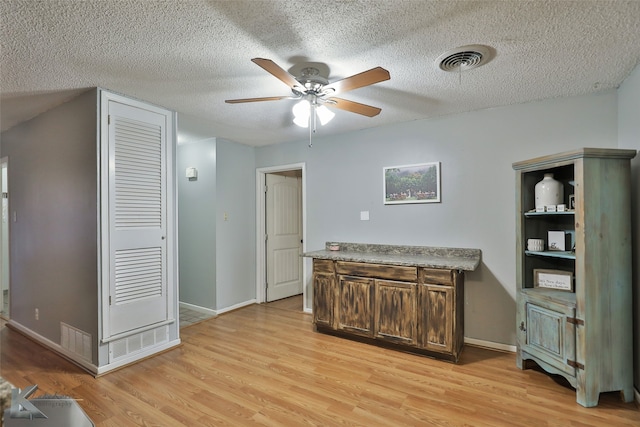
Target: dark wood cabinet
416,309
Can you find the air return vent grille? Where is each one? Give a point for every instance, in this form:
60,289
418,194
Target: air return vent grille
465,58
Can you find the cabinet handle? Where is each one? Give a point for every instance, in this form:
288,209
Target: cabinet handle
522,328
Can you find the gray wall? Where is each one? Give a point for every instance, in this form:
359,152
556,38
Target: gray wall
476,150
217,255
197,223
629,137
236,236
53,192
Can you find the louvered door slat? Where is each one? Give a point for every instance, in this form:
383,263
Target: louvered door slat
138,154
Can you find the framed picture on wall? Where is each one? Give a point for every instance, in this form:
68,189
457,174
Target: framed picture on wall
419,183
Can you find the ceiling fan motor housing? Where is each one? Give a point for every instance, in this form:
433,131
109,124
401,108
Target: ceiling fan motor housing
311,79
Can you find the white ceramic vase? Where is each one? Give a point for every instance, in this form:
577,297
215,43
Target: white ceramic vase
549,191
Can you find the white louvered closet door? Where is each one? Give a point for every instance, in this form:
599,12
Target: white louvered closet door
137,218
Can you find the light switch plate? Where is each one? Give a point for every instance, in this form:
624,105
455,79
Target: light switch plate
364,216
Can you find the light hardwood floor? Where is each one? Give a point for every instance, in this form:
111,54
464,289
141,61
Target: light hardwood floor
264,365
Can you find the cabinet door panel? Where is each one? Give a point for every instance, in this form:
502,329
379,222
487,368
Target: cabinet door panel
355,304
396,315
323,298
550,337
437,322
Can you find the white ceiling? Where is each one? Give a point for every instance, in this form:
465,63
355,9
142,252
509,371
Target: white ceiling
190,56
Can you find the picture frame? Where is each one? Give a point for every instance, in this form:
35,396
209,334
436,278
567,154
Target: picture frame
553,279
407,184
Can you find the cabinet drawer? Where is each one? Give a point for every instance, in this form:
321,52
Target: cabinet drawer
323,266
381,271
436,276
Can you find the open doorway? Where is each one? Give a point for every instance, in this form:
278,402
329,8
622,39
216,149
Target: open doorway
280,216
4,242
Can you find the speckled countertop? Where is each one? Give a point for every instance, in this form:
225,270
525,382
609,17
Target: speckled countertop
419,256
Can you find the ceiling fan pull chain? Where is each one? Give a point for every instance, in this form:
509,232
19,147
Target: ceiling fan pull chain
310,144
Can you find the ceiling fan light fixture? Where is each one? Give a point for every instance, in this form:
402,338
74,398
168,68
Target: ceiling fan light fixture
302,122
324,114
301,109
304,109
301,113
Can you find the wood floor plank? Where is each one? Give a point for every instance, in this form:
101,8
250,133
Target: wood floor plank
263,365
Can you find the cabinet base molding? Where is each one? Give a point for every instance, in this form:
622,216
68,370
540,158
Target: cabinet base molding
490,345
387,345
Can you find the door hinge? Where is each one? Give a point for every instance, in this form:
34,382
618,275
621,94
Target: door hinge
575,321
109,119
575,364
266,188
266,237
109,299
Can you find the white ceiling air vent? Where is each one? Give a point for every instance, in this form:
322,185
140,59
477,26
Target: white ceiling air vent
465,58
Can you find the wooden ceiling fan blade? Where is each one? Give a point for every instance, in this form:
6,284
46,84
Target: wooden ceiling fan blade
353,107
267,98
366,78
275,70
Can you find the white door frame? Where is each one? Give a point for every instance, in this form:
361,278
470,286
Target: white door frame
261,255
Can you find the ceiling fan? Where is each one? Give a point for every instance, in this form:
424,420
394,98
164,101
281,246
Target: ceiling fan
318,93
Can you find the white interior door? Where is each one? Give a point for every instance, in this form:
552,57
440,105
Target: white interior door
137,152
284,236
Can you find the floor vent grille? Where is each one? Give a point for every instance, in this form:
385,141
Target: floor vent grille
136,343
75,341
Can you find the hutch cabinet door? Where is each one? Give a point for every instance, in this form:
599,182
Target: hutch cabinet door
550,335
356,314
396,313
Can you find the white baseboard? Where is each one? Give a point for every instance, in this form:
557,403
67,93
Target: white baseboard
237,306
198,308
490,344
84,364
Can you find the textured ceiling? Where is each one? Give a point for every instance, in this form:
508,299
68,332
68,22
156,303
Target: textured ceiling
190,56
